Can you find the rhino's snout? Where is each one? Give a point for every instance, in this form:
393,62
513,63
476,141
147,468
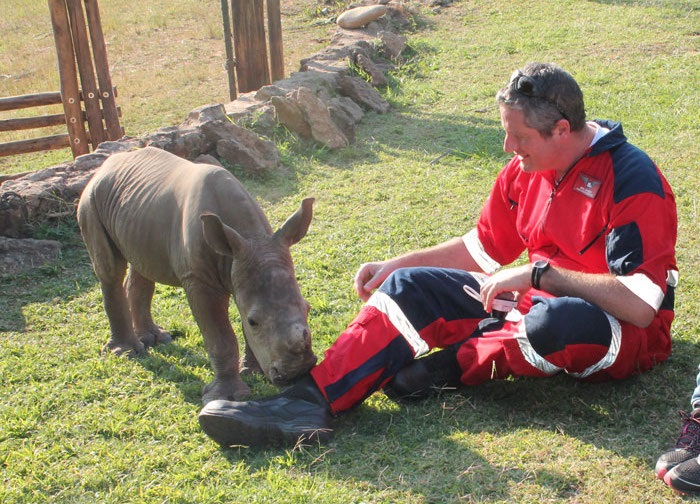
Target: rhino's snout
281,374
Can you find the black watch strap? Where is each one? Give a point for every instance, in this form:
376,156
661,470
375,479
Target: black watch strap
538,269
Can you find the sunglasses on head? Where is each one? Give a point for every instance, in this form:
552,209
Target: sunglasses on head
528,86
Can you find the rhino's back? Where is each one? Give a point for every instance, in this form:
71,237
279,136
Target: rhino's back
149,202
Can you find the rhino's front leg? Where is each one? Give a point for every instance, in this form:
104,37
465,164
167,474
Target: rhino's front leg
210,310
139,294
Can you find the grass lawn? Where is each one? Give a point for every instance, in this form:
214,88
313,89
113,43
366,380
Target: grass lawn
79,427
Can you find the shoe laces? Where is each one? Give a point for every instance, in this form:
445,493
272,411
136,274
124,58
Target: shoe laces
690,433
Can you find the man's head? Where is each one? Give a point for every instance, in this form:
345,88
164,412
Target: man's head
545,93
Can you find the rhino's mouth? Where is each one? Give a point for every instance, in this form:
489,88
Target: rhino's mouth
281,375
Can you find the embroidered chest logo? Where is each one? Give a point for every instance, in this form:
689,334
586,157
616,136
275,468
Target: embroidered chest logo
587,185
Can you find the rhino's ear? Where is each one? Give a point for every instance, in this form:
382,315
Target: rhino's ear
220,237
295,228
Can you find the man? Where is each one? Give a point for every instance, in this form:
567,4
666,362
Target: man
595,300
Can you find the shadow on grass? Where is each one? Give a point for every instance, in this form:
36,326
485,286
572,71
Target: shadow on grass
403,134
62,280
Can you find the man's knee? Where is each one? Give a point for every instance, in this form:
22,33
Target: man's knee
552,324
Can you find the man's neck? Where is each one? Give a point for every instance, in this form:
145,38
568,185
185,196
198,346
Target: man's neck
580,143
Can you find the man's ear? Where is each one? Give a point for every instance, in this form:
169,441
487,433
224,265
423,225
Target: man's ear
562,128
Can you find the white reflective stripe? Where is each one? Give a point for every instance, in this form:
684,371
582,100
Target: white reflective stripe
476,250
672,278
644,288
613,350
529,353
545,366
388,307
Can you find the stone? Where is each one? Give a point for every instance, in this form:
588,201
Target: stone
363,94
316,114
241,147
360,16
377,77
13,215
392,44
288,113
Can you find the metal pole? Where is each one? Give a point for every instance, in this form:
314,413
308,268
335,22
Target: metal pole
228,42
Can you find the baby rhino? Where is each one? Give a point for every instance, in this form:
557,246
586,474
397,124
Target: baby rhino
194,225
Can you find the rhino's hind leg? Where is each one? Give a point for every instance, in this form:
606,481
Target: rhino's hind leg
139,294
122,341
110,268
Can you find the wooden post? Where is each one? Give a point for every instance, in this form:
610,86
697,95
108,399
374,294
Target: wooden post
91,96
107,92
249,44
274,34
70,94
228,43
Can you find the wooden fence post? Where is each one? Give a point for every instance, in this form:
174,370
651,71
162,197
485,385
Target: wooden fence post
274,34
249,43
68,77
91,96
107,92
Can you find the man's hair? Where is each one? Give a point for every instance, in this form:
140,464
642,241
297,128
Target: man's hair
545,93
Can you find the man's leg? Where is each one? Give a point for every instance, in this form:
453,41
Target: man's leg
414,311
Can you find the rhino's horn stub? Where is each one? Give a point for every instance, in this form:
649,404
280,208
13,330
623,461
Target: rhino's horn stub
296,226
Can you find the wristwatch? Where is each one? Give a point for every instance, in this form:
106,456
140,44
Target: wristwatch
538,269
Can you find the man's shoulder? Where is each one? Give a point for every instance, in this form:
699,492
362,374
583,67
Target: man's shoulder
633,170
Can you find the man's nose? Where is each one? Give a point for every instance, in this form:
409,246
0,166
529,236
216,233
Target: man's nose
508,144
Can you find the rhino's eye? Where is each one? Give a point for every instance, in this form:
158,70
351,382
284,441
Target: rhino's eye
252,322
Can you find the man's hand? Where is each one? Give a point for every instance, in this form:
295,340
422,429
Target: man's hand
515,279
369,277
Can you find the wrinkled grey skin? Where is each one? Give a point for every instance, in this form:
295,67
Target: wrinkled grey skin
194,225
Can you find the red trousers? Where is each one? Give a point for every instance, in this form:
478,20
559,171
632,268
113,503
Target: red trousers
419,309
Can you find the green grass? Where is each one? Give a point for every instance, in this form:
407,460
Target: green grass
79,427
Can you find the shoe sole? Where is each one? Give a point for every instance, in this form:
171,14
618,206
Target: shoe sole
230,426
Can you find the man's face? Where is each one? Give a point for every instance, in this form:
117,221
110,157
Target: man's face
535,152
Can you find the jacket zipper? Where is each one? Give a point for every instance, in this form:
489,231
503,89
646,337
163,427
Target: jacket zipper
595,239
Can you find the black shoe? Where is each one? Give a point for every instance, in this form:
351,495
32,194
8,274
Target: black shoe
275,421
299,414
685,477
434,373
426,376
687,447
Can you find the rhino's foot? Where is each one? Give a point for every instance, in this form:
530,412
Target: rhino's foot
154,336
233,389
126,348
